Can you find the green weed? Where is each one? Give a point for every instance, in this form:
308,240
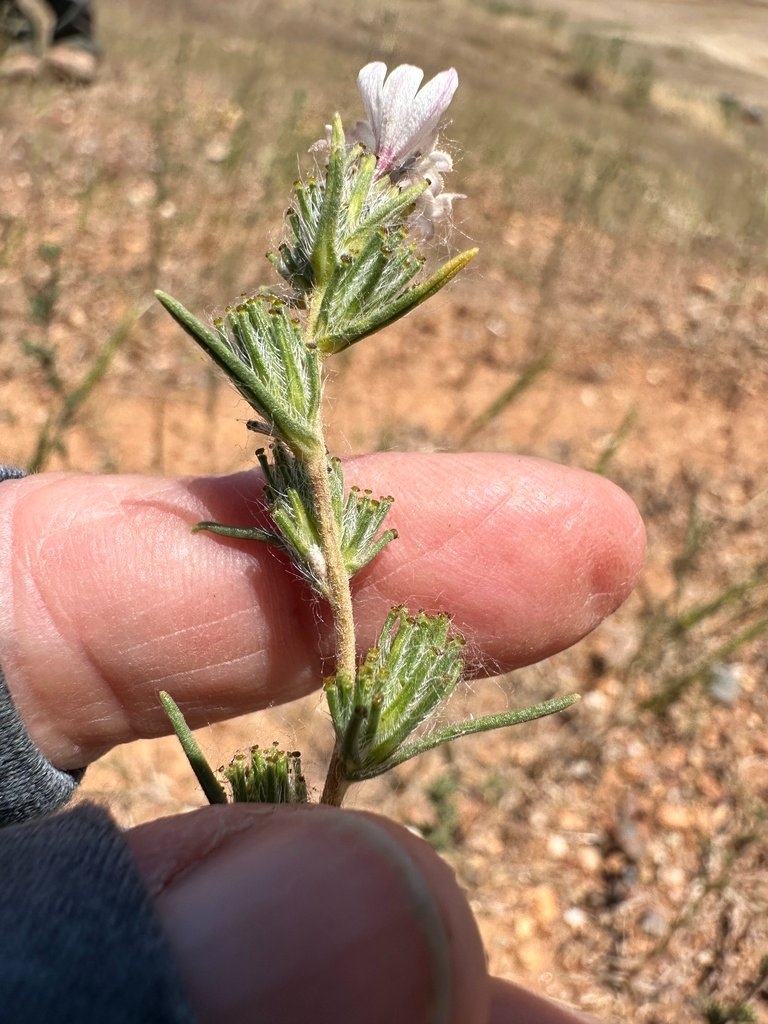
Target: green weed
444,833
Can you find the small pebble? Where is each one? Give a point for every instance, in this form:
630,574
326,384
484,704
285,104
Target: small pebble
724,683
654,923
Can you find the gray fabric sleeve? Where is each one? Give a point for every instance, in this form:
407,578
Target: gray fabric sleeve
79,943
29,784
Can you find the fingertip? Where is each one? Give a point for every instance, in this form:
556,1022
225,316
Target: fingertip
537,553
597,542
619,544
107,580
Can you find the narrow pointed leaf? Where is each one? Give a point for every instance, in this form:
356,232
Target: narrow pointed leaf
471,726
210,785
238,532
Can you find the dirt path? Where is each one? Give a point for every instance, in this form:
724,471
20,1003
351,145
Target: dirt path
731,33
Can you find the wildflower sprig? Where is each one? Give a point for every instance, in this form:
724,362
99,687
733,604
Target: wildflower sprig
351,264
352,257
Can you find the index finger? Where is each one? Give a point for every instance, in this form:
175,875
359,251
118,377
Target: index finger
109,597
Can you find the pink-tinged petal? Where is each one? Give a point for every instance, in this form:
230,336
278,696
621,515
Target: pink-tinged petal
397,125
410,116
370,82
401,87
432,102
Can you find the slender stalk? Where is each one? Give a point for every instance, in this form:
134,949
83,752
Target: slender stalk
58,423
337,581
339,598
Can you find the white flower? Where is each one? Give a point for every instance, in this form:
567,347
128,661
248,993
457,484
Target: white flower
402,118
401,130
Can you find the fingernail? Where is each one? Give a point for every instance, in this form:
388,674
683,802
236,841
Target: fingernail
314,915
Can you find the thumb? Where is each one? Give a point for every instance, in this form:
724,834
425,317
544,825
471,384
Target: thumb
312,914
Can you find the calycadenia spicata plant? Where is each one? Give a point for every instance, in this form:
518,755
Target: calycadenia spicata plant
353,261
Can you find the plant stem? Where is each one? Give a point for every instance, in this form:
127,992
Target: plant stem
58,423
336,781
337,581
339,598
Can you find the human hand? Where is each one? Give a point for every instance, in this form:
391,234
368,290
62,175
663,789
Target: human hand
302,913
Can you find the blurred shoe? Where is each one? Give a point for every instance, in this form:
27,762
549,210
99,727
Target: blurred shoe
19,62
73,61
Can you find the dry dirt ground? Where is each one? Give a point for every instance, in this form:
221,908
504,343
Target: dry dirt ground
616,856
734,35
